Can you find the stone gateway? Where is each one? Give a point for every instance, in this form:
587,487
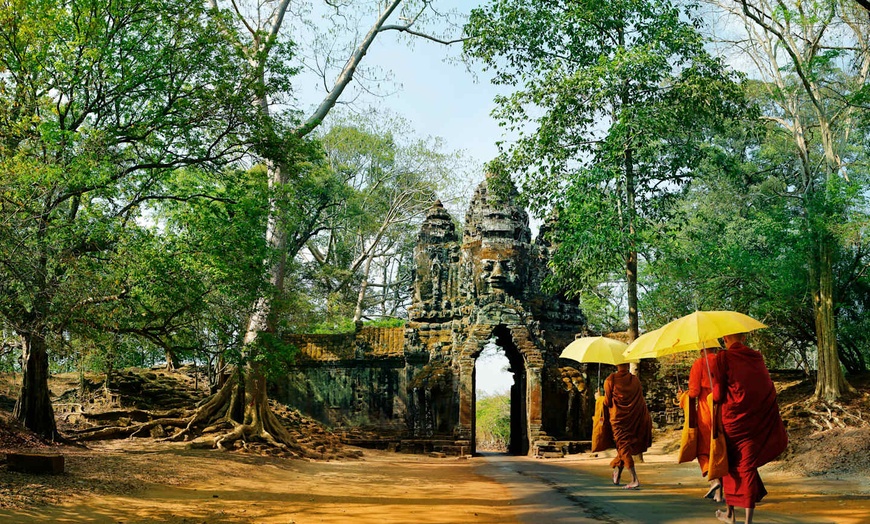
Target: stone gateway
415,387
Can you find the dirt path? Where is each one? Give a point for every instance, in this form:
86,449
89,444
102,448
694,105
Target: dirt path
578,489
173,485
216,487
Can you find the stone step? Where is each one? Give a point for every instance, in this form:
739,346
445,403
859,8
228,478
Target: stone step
550,454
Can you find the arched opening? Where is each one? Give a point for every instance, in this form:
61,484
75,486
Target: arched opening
500,384
493,380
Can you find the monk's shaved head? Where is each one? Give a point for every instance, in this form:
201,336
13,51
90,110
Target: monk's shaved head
736,337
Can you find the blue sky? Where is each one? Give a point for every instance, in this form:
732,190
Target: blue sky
438,98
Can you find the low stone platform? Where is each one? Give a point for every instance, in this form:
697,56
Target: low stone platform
573,447
447,447
35,463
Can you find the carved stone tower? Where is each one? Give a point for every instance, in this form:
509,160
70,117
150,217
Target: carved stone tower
468,292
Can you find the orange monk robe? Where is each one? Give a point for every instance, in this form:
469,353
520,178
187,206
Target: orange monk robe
629,417
699,388
754,432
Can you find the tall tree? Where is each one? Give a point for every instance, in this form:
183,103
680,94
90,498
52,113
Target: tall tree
612,99
732,244
815,60
98,102
301,197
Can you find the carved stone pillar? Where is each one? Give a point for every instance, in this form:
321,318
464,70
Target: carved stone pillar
534,395
465,429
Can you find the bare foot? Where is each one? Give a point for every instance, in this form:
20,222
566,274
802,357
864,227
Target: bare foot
723,516
715,491
632,485
719,496
617,472
711,493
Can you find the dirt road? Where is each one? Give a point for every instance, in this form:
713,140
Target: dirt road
174,485
578,489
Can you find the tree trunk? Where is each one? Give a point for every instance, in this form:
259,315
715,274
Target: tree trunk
631,258
630,214
33,408
361,296
172,361
830,382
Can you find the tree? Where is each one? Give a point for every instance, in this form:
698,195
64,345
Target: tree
731,244
739,243
612,99
493,419
301,197
814,59
394,178
98,102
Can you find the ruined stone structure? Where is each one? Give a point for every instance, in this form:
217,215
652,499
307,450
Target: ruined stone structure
470,289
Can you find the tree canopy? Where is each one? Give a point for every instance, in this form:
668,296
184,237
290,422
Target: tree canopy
611,103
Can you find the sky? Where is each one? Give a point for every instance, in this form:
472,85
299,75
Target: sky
439,98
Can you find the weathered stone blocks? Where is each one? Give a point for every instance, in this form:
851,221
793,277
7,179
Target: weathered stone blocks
469,289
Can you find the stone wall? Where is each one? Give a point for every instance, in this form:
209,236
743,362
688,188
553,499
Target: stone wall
352,380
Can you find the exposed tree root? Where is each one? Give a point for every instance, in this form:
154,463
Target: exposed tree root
826,416
238,416
136,430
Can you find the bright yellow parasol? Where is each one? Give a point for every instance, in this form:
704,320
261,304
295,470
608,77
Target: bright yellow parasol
703,328
645,346
596,349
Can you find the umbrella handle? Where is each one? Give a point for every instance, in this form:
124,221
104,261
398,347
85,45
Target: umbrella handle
707,362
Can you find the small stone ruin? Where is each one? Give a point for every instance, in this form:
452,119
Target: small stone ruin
413,388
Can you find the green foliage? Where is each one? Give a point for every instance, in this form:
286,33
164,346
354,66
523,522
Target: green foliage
272,354
10,350
100,103
740,242
389,178
189,282
611,103
493,422
337,325
386,323
347,325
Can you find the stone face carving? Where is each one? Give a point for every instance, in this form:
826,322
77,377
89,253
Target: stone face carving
488,286
496,244
469,288
434,275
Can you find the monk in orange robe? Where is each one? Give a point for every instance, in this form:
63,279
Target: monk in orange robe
629,419
754,432
699,389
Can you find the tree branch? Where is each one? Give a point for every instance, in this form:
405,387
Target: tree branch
347,73
407,29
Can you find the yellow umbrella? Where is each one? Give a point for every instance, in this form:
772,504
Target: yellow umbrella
702,327
596,349
698,330
644,346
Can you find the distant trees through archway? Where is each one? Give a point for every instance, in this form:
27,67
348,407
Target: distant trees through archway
500,397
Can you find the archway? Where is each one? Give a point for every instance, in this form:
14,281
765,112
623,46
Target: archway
493,379
518,442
